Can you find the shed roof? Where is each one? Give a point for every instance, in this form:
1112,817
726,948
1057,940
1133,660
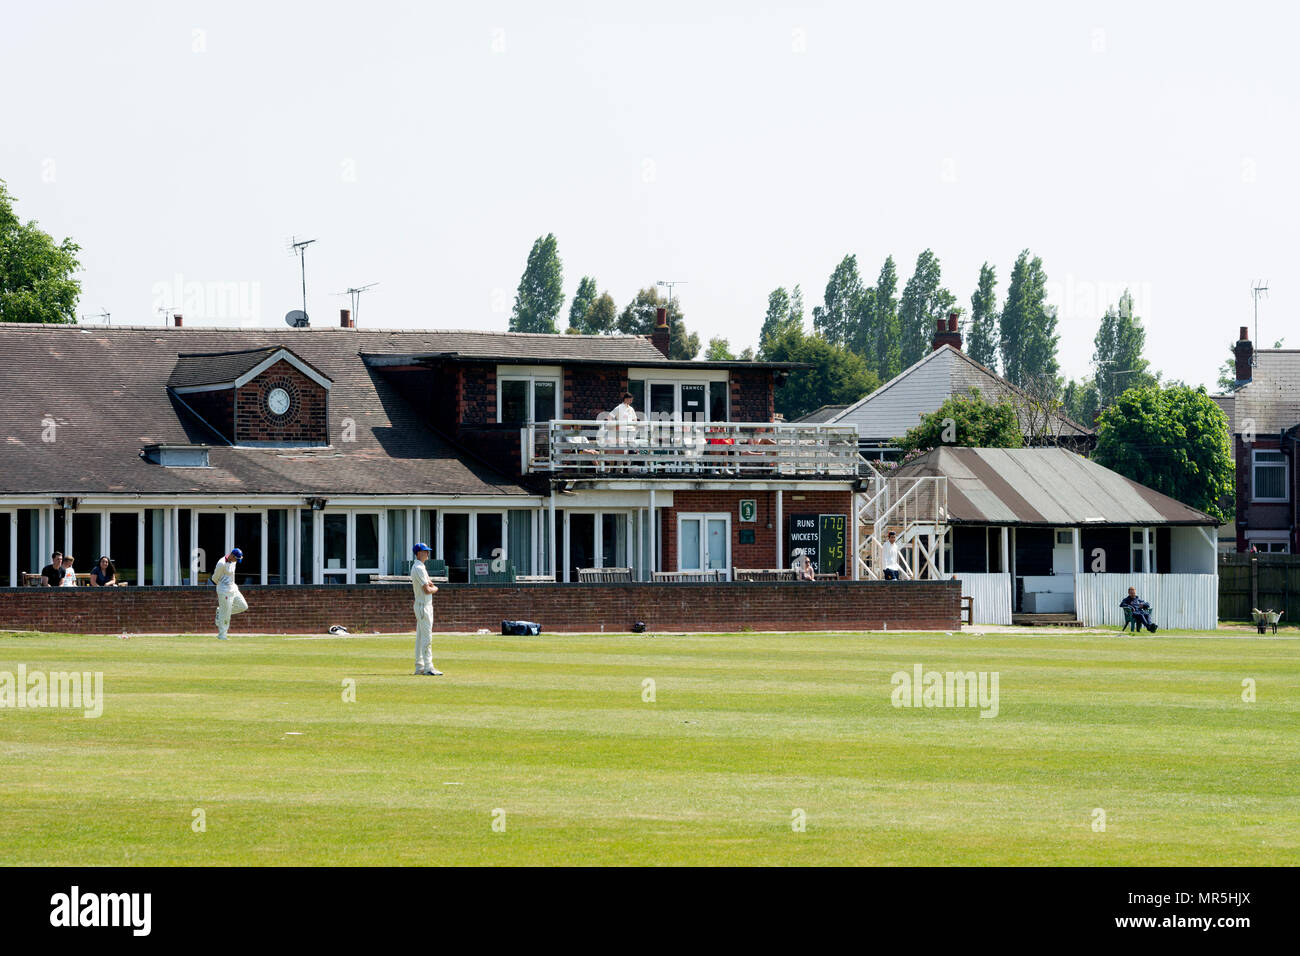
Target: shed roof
1045,486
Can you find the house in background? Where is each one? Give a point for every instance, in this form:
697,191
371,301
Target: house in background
1044,535
1264,421
887,413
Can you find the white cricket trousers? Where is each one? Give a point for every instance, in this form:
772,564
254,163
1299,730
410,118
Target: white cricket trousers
228,603
423,635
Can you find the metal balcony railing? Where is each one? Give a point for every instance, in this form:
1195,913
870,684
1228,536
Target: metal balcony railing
670,447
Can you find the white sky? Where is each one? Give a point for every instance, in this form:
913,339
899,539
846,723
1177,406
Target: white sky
737,146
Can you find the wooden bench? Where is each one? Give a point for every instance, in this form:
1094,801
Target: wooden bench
604,575
402,579
713,576
534,579
763,574
967,609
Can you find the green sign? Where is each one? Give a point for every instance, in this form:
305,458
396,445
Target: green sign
748,509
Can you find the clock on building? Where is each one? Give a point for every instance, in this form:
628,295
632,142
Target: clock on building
278,401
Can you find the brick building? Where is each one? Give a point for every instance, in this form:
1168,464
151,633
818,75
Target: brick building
324,453
1264,419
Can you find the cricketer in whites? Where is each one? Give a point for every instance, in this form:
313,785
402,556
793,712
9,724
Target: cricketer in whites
424,590
229,600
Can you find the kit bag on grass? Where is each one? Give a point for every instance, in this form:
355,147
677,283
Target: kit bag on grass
523,628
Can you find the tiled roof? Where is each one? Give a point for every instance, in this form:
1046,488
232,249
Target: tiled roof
211,368
820,415
1044,486
1271,399
105,392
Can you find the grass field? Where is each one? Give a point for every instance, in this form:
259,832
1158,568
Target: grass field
744,731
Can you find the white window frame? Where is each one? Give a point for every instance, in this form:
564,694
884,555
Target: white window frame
630,515
473,530
1286,474
532,375
1265,542
709,380
704,517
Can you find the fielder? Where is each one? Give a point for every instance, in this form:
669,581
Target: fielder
424,591
229,600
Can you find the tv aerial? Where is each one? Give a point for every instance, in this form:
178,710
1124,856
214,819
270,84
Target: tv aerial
1256,291
356,298
299,248
670,284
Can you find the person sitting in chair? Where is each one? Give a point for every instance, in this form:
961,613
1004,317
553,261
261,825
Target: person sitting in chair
804,570
1140,610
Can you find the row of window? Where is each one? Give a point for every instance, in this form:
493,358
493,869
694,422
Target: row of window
524,397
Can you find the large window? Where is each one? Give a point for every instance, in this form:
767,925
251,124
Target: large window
527,396
693,400
1270,474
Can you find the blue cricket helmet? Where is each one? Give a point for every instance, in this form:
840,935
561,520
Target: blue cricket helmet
420,546
239,555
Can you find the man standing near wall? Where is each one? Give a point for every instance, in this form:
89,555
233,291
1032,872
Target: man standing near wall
889,556
424,590
229,600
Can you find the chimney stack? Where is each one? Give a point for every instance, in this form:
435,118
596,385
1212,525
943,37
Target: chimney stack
1244,352
179,319
661,335
345,319
947,332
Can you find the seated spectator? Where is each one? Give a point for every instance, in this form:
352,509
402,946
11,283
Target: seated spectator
803,567
69,573
1140,609
52,573
103,574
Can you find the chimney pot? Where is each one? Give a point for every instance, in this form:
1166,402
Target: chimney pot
661,335
1243,351
345,318
952,321
1244,335
180,319
946,333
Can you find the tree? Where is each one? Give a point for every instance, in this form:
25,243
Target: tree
967,422
583,300
834,318
982,342
1174,440
924,301
1117,359
719,350
541,289
1027,329
36,283
784,311
638,318
887,359
837,375
1080,401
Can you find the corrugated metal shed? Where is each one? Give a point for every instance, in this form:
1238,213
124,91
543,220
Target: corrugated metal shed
1051,487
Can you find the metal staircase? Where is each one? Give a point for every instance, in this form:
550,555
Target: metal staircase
916,510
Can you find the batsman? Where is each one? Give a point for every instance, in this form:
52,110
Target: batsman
424,590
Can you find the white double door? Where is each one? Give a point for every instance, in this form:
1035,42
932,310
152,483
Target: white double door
704,542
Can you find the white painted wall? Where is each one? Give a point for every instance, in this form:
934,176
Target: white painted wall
1184,601
992,594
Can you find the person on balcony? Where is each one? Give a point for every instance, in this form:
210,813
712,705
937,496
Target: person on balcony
1140,610
69,573
625,419
103,574
893,571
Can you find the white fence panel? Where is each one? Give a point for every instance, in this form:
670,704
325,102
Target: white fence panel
992,594
1184,601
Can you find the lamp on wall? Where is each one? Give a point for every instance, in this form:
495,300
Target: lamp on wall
317,504
67,504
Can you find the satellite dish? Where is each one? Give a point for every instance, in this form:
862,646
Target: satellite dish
297,319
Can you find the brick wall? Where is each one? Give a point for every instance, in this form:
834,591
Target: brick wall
476,395
780,606
752,397
1258,516
762,553
305,421
590,390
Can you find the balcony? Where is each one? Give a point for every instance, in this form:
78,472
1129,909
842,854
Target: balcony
673,448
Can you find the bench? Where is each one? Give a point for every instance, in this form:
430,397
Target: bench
763,574
534,579
967,609
713,576
604,575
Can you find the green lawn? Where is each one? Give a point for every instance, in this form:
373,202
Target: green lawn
744,731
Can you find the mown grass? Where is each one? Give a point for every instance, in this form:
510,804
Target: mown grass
551,735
